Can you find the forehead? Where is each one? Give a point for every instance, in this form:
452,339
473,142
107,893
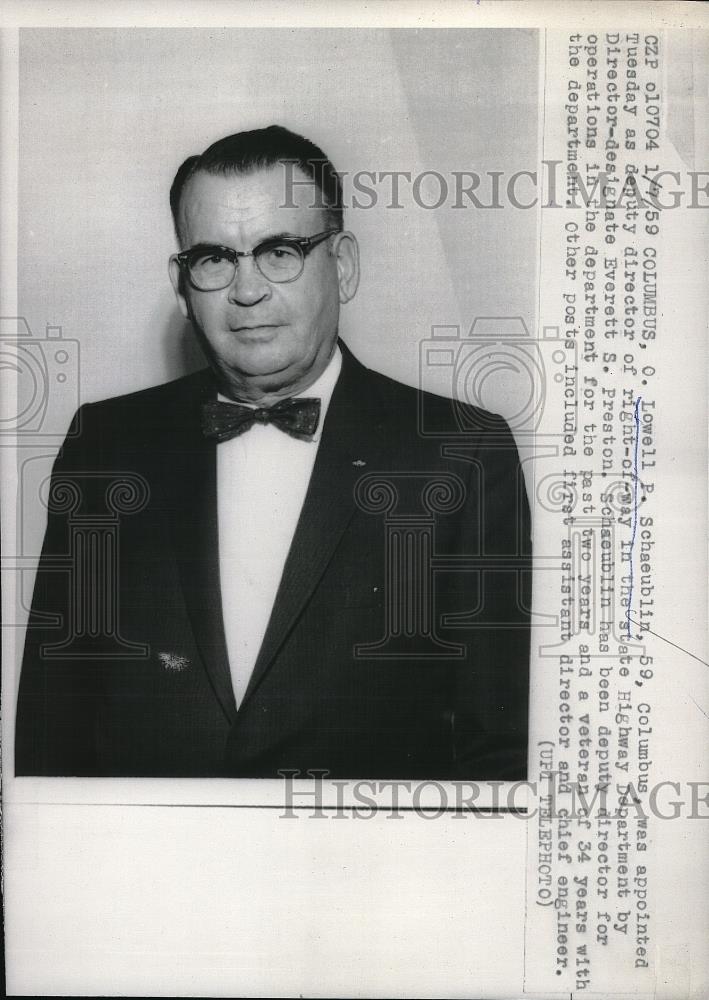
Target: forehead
254,205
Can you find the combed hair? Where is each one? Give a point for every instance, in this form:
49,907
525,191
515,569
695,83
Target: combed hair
245,152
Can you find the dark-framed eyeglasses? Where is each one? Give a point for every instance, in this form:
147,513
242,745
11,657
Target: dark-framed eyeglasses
280,259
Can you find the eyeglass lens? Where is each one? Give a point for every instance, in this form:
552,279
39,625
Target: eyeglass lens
212,270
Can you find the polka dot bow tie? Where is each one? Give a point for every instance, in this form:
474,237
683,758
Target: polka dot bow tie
297,417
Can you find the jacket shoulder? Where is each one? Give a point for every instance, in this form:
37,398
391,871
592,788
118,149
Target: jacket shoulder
133,420
435,416
155,396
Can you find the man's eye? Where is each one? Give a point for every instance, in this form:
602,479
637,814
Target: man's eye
214,259
279,254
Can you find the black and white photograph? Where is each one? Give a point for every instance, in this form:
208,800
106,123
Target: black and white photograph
219,627
352,593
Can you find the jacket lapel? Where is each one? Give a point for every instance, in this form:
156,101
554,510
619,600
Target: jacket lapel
347,447
192,469
350,441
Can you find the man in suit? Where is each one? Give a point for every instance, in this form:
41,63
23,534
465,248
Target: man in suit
265,566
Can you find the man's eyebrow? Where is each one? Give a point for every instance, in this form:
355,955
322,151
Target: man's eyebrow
280,236
263,239
207,246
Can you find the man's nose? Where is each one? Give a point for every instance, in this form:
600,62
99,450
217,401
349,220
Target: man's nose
248,286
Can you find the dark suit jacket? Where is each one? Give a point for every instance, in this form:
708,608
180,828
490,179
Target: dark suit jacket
364,670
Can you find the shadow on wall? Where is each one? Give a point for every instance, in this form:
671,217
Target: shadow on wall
182,353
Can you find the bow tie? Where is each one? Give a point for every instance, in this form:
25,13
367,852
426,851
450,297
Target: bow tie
297,417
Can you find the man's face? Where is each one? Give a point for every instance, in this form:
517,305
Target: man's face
264,338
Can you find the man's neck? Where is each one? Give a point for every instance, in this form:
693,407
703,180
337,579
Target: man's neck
265,390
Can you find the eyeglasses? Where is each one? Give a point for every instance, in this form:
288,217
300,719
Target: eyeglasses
279,259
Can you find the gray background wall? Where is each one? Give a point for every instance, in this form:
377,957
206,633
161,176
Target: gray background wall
107,115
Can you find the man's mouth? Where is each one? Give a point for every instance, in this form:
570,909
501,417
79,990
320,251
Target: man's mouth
254,327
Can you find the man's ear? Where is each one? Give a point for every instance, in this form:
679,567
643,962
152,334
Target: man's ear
178,286
346,250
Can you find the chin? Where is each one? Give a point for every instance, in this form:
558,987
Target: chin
259,361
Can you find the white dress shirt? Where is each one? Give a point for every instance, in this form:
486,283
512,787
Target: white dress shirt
262,478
